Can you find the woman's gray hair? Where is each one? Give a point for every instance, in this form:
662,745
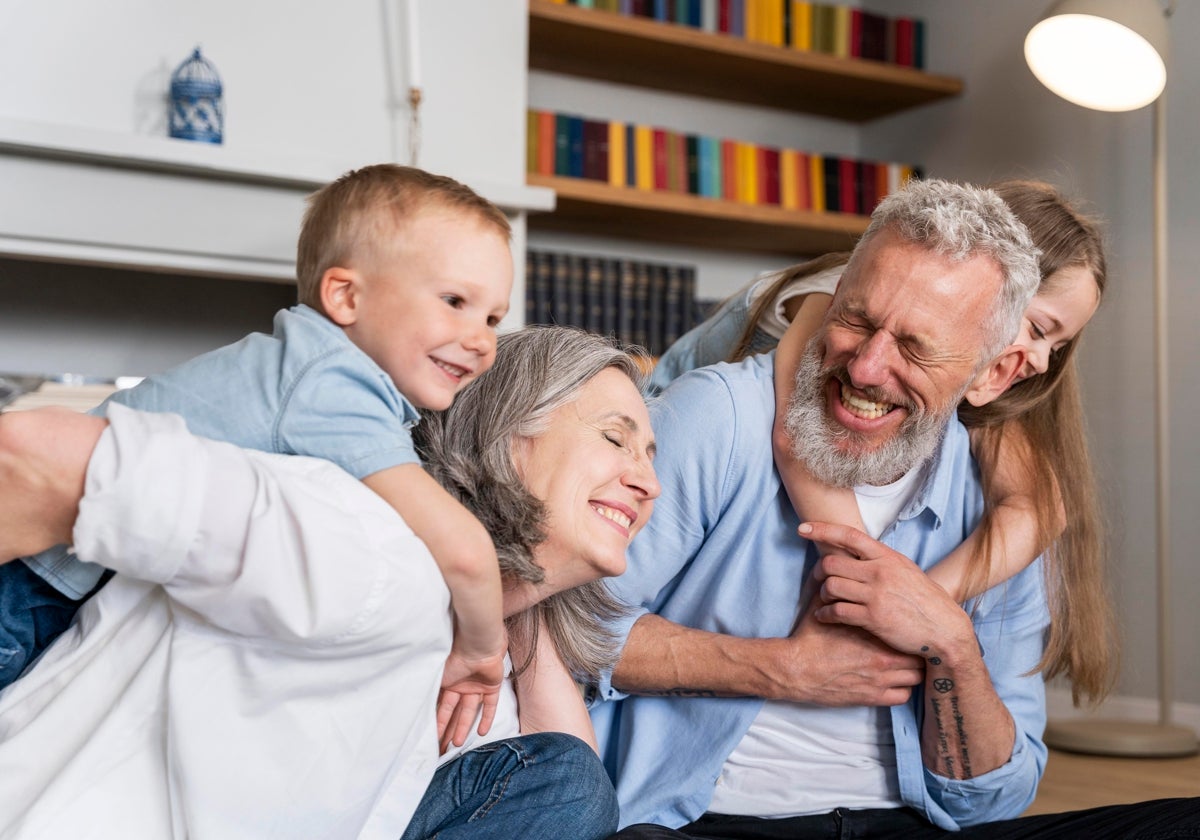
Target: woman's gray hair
469,449
962,221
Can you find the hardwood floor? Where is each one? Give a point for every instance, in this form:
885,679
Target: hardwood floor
1075,781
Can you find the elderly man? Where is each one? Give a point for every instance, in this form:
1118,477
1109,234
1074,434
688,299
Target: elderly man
728,717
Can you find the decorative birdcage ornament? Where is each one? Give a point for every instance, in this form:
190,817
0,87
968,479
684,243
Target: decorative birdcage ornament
197,112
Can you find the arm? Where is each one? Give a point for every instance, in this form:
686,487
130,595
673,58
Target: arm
967,730
812,500
466,557
818,663
548,698
1015,537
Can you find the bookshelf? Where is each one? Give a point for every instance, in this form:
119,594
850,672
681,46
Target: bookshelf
660,216
638,51
646,53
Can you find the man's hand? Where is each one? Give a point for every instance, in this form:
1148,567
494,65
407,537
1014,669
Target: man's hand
836,665
868,585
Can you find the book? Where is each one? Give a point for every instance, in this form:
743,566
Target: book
562,144
802,23
787,179
833,192
560,285
610,280
656,296
841,31
546,141
873,44
902,49
769,161
848,189
644,151
593,301
575,146
625,301
692,159
729,171
617,165
661,164
531,141
816,182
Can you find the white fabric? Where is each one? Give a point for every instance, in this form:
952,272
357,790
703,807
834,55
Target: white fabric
505,725
273,673
881,505
799,759
774,322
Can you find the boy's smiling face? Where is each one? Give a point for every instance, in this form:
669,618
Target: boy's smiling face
426,306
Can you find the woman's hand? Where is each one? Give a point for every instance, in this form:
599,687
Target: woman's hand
469,685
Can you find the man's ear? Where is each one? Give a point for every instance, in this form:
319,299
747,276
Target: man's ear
996,377
340,290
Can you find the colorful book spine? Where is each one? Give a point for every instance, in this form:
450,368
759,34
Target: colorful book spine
617,164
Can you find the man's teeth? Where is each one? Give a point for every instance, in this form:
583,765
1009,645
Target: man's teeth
864,408
453,370
615,515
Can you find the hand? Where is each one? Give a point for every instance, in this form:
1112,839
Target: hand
836,665
870,586
468,686
43,460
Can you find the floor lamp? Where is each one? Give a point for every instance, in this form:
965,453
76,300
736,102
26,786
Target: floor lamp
1111,55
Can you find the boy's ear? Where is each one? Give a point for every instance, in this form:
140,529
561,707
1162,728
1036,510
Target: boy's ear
996,377
340,289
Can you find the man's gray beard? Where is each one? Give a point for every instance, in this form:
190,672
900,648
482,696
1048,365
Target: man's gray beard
815,436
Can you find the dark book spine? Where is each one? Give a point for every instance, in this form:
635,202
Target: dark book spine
833,192
627,302
575,155
576,281
641,303
562,144
593,269
610,284
656,296
673,308
693,164
848,185
560,285
771,180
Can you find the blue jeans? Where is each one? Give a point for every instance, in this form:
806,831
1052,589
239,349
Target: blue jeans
1161,819
546,786
32,615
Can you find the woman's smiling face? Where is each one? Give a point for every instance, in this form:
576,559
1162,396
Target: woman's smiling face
1055,316
592,468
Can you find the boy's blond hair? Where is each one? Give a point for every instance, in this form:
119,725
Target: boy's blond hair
348,219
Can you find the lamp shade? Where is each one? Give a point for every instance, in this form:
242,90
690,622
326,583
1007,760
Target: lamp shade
1110,55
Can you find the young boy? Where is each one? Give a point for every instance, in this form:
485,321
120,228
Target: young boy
403,278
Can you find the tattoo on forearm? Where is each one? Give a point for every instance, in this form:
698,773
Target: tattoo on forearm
943,685
943,742
678,692
933,660
963,752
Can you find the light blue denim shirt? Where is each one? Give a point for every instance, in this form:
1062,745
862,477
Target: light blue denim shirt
304,390
721,554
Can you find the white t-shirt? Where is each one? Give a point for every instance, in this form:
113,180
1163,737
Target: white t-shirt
265,664
774,322
798,759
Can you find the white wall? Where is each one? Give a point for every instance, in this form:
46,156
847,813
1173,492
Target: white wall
308,94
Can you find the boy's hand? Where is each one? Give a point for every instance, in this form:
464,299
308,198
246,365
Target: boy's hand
468,686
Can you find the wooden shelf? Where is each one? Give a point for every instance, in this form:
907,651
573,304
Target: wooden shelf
647,53
623,212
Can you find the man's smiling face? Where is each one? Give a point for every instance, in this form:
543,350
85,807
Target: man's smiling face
899,347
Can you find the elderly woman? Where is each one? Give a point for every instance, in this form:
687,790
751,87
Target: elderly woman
266,661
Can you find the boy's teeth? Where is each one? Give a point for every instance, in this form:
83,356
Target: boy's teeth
454,370
867,409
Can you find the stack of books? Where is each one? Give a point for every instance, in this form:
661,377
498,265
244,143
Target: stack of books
828,28
650,158
649,304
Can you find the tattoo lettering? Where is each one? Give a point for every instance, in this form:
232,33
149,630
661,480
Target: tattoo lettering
680,692
943,741
935,660
943,684
963,752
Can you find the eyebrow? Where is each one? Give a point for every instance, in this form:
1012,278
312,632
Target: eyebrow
912,339
631,425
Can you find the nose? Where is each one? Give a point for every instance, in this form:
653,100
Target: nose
642,479
1037,360
871,365
481,339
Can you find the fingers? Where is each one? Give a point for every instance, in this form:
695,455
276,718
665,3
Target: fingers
850,540
490,703
447,703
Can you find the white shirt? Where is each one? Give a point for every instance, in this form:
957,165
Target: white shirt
798,759
265,664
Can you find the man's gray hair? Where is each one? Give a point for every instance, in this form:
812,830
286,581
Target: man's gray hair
469,449
961,221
